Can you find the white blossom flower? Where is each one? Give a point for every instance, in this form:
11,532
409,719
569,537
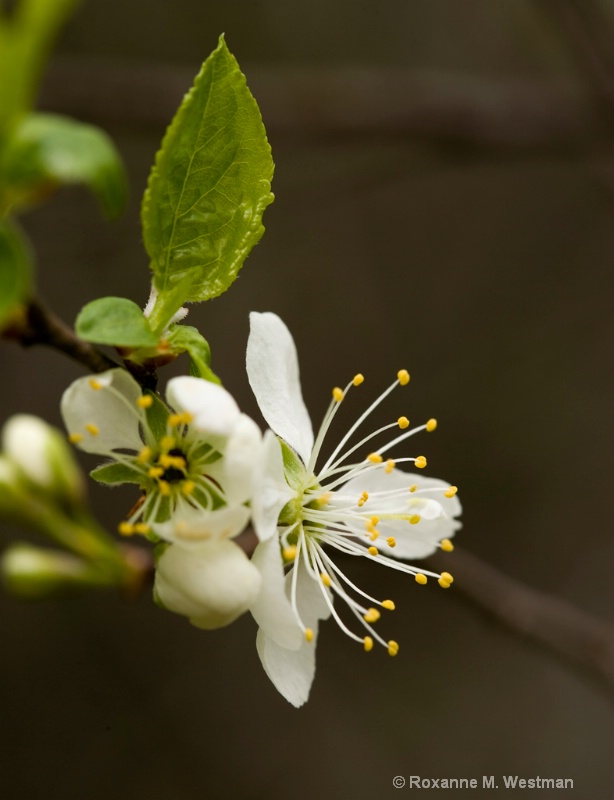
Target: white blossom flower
361,506
201,454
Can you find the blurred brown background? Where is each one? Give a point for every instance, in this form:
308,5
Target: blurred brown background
445,203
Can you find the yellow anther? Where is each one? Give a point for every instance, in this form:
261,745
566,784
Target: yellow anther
421,579
75,438
367,644
431,425
360,503
165,461
175,420
446,545
125,529
389,466
403,376
337,394
447,577
358,379
165,488
144,455
93,429
420,462
365,496
188,488
451,491
325,579
388,604
372,615
374,535
413,488
96,385
155,472
289,553
391,541
309,634
324,499
414,519
375,458
374,520
144,401
167,442
141,527
393,648
373,551
443,583
403,422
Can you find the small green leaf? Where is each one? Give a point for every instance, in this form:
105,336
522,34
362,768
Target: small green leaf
202,210
15,269
44,151
115,473
157,419
185,338
294,468
115,321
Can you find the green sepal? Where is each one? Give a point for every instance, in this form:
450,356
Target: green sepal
115,321
294,469
157,419
44,151
116,473
185,338
15,269
202,210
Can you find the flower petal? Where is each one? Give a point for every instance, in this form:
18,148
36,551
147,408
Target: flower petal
212,408
103,410
272,492
212,585
191,527
272,610
272,369
241,464
292,671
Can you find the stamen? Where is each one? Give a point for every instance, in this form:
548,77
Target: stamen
403,423
388,604
155,472
375,458
389,466
142,528
188,488
125,529
289,553
144,455
75,438
309,634
444,583
431,425
167,442
93,429
324,499
393,647
403,376
325,579
165,488
96,385
144,401
451,491
421,579
414,519
420,462
373,551
372,615
337,394
358,379
391,541
413,488
368,644
446,545
447,577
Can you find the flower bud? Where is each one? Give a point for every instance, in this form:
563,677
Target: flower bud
42,456
212,585
33,572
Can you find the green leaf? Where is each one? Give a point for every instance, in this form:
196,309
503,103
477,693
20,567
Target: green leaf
202,210
115,321
185,338
115,473
44,151
157,419
15,269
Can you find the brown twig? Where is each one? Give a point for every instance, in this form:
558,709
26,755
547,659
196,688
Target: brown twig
39,325
556,625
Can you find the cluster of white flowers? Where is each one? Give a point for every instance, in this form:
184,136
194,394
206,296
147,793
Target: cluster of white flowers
206,471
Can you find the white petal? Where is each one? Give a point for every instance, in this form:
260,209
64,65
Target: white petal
26,440
272,369
192,526
272,492
272,610
292,671
213,409
116,417
416,541
241,464
211,586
